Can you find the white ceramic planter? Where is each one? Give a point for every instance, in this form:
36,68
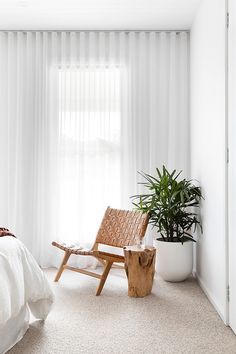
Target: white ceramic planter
174,260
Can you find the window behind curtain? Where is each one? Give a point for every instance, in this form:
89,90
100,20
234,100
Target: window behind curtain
89,149
151,69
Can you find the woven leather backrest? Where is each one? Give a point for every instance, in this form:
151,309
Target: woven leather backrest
119,228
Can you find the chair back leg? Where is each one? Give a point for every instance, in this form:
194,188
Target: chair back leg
64,261
104,277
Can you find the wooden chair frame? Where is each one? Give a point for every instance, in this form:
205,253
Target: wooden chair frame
119,228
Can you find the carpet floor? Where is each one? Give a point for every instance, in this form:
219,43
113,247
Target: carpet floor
176,318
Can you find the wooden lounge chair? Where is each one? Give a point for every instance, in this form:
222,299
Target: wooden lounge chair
119,228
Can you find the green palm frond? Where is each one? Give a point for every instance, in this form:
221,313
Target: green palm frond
171,204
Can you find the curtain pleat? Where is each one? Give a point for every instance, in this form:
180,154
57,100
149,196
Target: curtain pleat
80,114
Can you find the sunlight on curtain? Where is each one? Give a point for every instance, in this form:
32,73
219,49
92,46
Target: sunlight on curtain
89,150
81,113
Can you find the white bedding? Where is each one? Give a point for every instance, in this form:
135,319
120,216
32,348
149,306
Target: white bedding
21,283
14,330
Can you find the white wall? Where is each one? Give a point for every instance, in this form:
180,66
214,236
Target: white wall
232,164
208,152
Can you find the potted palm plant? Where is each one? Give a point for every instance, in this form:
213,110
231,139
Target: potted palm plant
171,204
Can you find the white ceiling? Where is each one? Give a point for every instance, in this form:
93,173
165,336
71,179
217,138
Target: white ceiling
97,14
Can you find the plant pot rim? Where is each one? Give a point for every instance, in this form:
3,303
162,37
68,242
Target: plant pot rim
161,240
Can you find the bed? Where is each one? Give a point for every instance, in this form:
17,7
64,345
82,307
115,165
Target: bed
23,289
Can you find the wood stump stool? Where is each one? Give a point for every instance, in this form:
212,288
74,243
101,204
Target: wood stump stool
140,269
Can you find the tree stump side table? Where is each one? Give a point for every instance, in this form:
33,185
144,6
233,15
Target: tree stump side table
140,269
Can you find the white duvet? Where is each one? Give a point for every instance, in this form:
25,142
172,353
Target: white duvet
21,282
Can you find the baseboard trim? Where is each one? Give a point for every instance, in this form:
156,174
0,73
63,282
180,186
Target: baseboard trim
211,298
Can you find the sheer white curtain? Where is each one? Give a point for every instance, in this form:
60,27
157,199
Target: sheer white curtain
80,114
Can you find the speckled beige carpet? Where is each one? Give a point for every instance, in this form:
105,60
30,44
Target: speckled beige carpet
175,319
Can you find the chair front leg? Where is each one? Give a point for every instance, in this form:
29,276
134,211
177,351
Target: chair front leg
104,277
60,270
